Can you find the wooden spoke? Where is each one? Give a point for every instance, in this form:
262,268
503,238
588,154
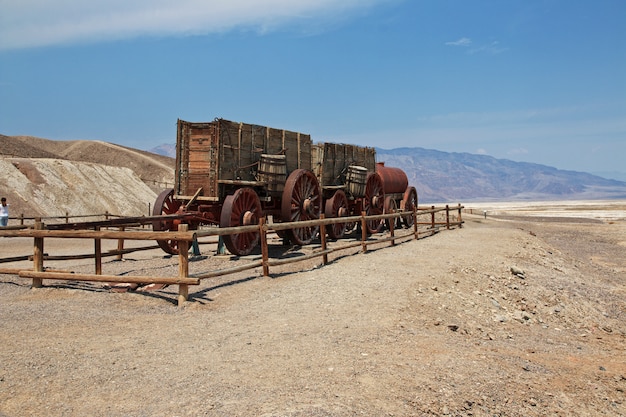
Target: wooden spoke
302,200
374,200
243,208
408,204
336,206
166,204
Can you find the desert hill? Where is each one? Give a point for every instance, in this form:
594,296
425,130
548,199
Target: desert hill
148,166
43,177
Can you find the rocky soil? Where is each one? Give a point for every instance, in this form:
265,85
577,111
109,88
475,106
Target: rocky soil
503,317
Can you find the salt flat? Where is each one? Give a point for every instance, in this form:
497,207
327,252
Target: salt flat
605,210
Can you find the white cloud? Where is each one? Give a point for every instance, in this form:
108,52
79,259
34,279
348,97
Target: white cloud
460,42
517,151
493,48
34,23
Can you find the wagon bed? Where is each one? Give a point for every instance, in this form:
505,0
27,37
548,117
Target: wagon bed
221,155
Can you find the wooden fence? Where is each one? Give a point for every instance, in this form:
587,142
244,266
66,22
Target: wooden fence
22,220
184,237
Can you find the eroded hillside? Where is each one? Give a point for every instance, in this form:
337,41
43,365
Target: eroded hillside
42,177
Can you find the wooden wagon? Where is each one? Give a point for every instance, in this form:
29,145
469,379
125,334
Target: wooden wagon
350,184
232,174
353,183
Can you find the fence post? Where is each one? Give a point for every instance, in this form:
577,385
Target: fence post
21,219
447,217
264,248
67,217
97,244
392,222
415,228
460,219
323,239
38,254
120,245
363,231
432,220
183,265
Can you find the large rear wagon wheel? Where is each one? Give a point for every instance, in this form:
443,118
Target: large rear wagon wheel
336,206
373,201
409,203
166,204
391,207
243,208
302,200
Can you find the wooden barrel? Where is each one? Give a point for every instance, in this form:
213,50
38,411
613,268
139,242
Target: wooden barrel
356,180
273,171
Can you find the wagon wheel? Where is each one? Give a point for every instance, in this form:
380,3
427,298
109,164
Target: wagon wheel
390,207
165,204
302,200
243,208
336,206
409,203
373,202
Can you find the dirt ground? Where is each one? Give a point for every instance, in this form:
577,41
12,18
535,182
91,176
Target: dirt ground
510,315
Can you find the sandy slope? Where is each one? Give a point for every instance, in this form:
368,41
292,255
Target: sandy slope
42,177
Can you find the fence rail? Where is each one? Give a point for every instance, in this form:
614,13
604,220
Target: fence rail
22,219
184,237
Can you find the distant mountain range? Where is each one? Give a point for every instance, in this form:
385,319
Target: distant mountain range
450,176
165,149
443,176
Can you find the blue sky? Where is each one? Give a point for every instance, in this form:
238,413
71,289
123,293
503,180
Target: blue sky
539,81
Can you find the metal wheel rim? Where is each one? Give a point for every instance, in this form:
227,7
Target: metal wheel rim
332,209
240,208
166,204
374,201
390,206
302,200
409,202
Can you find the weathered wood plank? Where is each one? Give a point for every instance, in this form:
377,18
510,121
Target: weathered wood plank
108,278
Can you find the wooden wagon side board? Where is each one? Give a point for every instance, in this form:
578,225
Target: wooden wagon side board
331,161
225,152
242,144
197,161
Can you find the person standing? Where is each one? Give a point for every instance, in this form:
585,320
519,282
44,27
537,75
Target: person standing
4,212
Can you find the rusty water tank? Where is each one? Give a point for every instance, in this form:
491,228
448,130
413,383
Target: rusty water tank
394,179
